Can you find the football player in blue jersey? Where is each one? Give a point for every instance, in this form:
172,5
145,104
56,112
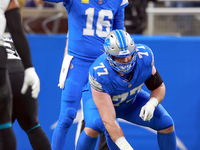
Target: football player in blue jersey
115,91
89,22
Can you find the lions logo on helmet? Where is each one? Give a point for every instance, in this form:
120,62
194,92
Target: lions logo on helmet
107,43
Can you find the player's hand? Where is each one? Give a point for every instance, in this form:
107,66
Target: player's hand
64,70
147,110
31,79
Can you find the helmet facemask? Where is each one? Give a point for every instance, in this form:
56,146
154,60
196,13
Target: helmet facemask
123,68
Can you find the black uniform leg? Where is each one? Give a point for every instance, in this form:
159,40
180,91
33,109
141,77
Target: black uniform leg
7,137
25,110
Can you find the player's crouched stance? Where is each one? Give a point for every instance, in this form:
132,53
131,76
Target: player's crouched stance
115,91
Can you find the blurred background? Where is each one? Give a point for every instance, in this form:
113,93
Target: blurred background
154,17
171,28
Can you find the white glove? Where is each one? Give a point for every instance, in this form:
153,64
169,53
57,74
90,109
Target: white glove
31,79
147,110
64,70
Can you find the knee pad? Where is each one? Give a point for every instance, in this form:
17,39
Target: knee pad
164,122
99,125
96,125
67,119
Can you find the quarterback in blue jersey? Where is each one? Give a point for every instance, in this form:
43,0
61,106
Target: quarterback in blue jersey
89,22
115,91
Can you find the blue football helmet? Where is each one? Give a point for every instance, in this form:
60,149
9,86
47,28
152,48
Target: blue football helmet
119,43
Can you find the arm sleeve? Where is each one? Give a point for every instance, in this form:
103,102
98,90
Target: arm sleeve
119,16
119,20
18,35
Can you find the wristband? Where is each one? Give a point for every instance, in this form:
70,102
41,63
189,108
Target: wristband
154,101
123,144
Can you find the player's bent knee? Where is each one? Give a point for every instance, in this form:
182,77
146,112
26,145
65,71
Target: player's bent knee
167,130
97,125
90,132
71,112
165,122
67,119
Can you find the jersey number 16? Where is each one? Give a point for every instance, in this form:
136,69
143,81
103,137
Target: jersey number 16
100,22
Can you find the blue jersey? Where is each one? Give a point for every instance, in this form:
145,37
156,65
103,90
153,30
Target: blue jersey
122,89
89,22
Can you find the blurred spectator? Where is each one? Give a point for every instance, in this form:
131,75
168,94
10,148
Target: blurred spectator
136,16
21,5
38,4
184,4
185,23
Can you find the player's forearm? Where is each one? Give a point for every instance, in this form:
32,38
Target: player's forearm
117,135
118,22
18,35
159,93
113,129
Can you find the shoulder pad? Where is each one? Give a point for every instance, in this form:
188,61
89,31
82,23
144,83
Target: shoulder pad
124,2
98,75
145,54
95,84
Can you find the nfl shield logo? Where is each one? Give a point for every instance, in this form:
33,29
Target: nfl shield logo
100,1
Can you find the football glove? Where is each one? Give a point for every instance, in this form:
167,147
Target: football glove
64,70
31,79
147,110
123,144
